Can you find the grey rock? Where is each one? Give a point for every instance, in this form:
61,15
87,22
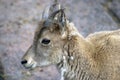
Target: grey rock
114,6
89,16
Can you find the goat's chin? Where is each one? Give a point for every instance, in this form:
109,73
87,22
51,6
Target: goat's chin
30,66
34,67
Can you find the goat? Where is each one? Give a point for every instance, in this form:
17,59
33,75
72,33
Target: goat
58,42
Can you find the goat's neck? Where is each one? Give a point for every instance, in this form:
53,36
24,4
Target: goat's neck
77,59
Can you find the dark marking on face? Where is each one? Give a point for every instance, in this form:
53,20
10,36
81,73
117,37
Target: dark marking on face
37,36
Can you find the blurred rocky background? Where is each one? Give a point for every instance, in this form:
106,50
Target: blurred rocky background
19,19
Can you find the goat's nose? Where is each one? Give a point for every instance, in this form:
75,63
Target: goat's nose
24,62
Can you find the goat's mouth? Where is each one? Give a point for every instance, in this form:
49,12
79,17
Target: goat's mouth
33,67
30,66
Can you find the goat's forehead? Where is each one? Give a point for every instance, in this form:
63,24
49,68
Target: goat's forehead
45,33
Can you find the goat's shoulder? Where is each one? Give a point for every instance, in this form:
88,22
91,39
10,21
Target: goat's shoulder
104,35
107,46
106,43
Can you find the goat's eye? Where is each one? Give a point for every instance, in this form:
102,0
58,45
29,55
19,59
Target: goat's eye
45,41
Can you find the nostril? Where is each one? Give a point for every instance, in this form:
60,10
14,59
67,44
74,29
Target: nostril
24,62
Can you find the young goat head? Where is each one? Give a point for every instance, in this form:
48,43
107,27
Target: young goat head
49,41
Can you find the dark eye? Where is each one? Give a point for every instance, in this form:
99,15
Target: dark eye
45,41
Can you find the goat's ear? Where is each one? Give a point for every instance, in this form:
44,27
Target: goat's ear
55,15
60,20
48,11
45,13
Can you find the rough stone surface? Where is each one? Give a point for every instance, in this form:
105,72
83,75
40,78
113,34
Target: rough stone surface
18,20
89,16
114,6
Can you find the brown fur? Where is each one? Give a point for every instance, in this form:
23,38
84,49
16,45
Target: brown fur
96,57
